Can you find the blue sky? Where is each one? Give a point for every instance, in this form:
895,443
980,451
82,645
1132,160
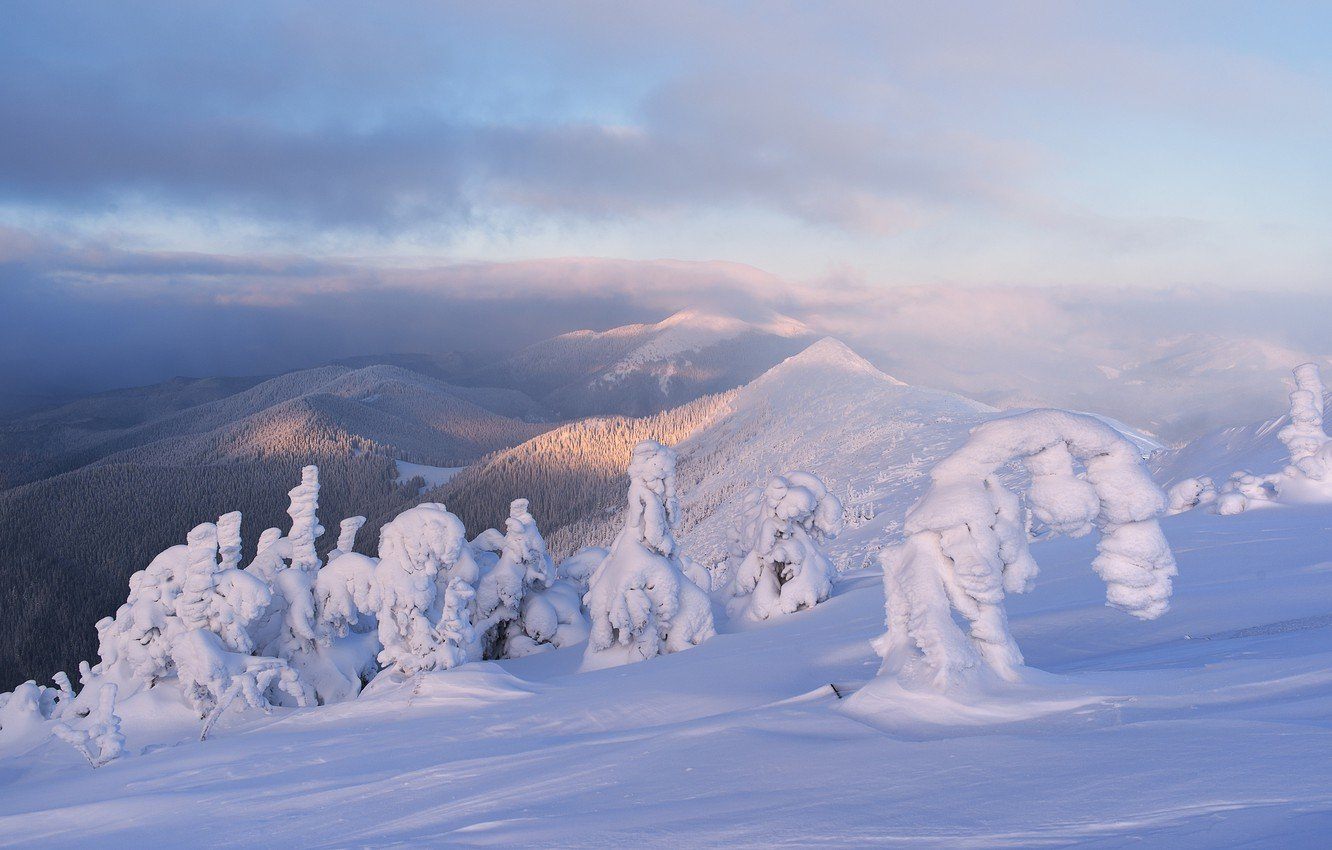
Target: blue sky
267,153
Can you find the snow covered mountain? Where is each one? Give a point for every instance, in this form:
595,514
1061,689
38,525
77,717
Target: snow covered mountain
640,369
826,410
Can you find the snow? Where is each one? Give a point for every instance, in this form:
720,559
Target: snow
1206,728
433,476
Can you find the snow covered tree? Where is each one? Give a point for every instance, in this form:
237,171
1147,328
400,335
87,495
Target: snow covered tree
777,567
1308,476
346,599
521,607
212,676
135,646
99,740
426,580
523,566
1304,436
639,601
223,601
189,619
966,542
291,566
229,539
347,536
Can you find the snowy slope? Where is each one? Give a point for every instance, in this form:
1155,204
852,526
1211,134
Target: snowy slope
1207,728
830,412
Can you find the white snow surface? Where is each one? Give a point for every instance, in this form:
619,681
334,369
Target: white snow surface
1207,728
433,476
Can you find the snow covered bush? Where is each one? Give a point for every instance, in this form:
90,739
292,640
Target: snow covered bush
185,588
1189,494
426,580
25,711
639,601
211,677
966,542
99,739
135,645
776,566
517,612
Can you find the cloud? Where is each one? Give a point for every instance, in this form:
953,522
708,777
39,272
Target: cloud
872,120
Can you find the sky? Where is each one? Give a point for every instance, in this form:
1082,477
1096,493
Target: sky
168,167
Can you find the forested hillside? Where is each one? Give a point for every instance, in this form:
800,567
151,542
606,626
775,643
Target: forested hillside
571,475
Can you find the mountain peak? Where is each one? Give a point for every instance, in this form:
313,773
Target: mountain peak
773,323
831,353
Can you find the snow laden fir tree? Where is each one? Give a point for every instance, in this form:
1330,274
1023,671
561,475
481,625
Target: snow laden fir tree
639,600
775,565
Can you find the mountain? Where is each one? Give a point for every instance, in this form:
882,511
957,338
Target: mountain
186,420
640,369
825,410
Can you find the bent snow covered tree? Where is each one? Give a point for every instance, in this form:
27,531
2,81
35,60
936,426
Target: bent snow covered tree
966,541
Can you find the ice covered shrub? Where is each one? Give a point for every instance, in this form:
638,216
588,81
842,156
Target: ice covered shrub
966,541
426,584
521,607
638,600
25,711
98,739
522,566
776,565
1189,494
